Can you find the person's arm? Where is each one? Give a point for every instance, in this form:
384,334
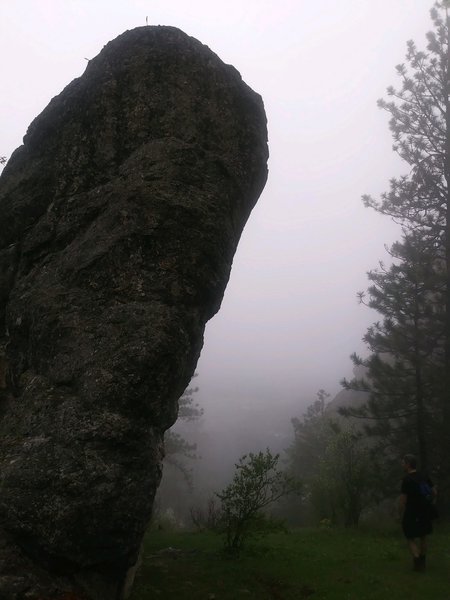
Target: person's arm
434,491
401,504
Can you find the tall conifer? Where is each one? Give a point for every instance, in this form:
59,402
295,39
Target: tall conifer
408,372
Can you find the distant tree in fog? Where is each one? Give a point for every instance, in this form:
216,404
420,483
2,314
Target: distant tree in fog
311,435
178,451
333,463
188,409
344,482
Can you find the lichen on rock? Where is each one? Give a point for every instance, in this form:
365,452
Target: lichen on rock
119,218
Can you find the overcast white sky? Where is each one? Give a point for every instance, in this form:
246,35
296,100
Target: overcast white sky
289,319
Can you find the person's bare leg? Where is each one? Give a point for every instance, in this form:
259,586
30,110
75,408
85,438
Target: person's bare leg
413,548
423,546
423,553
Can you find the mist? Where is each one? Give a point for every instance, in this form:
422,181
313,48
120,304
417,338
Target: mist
290,317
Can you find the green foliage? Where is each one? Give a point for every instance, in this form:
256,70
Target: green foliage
311,436
345,477
257,483
334,464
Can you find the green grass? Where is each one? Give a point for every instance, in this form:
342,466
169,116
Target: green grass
317,564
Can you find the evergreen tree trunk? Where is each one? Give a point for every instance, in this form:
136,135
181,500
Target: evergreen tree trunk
420,399
446,390
421,434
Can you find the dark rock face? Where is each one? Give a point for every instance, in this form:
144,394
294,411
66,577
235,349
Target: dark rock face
119,219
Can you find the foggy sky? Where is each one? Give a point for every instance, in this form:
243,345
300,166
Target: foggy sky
290,318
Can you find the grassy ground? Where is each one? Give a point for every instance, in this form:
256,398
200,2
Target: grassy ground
317,564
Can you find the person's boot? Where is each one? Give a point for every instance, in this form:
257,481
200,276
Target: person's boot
417,563
422,562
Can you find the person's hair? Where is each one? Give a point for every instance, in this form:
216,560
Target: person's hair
410,460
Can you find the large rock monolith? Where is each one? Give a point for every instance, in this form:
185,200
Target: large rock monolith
119,218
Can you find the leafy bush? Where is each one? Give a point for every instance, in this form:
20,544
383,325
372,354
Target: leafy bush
256,484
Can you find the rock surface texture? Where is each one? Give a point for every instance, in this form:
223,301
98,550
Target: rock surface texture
119,219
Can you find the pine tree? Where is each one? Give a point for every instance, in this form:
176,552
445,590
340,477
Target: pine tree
408,372
420,125
403,371
177,448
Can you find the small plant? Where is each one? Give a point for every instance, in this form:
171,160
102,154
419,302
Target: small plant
256,484
166,521
325,523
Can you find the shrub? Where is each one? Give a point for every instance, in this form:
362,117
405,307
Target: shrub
256,484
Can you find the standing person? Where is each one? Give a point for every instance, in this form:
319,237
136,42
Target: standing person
416,510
